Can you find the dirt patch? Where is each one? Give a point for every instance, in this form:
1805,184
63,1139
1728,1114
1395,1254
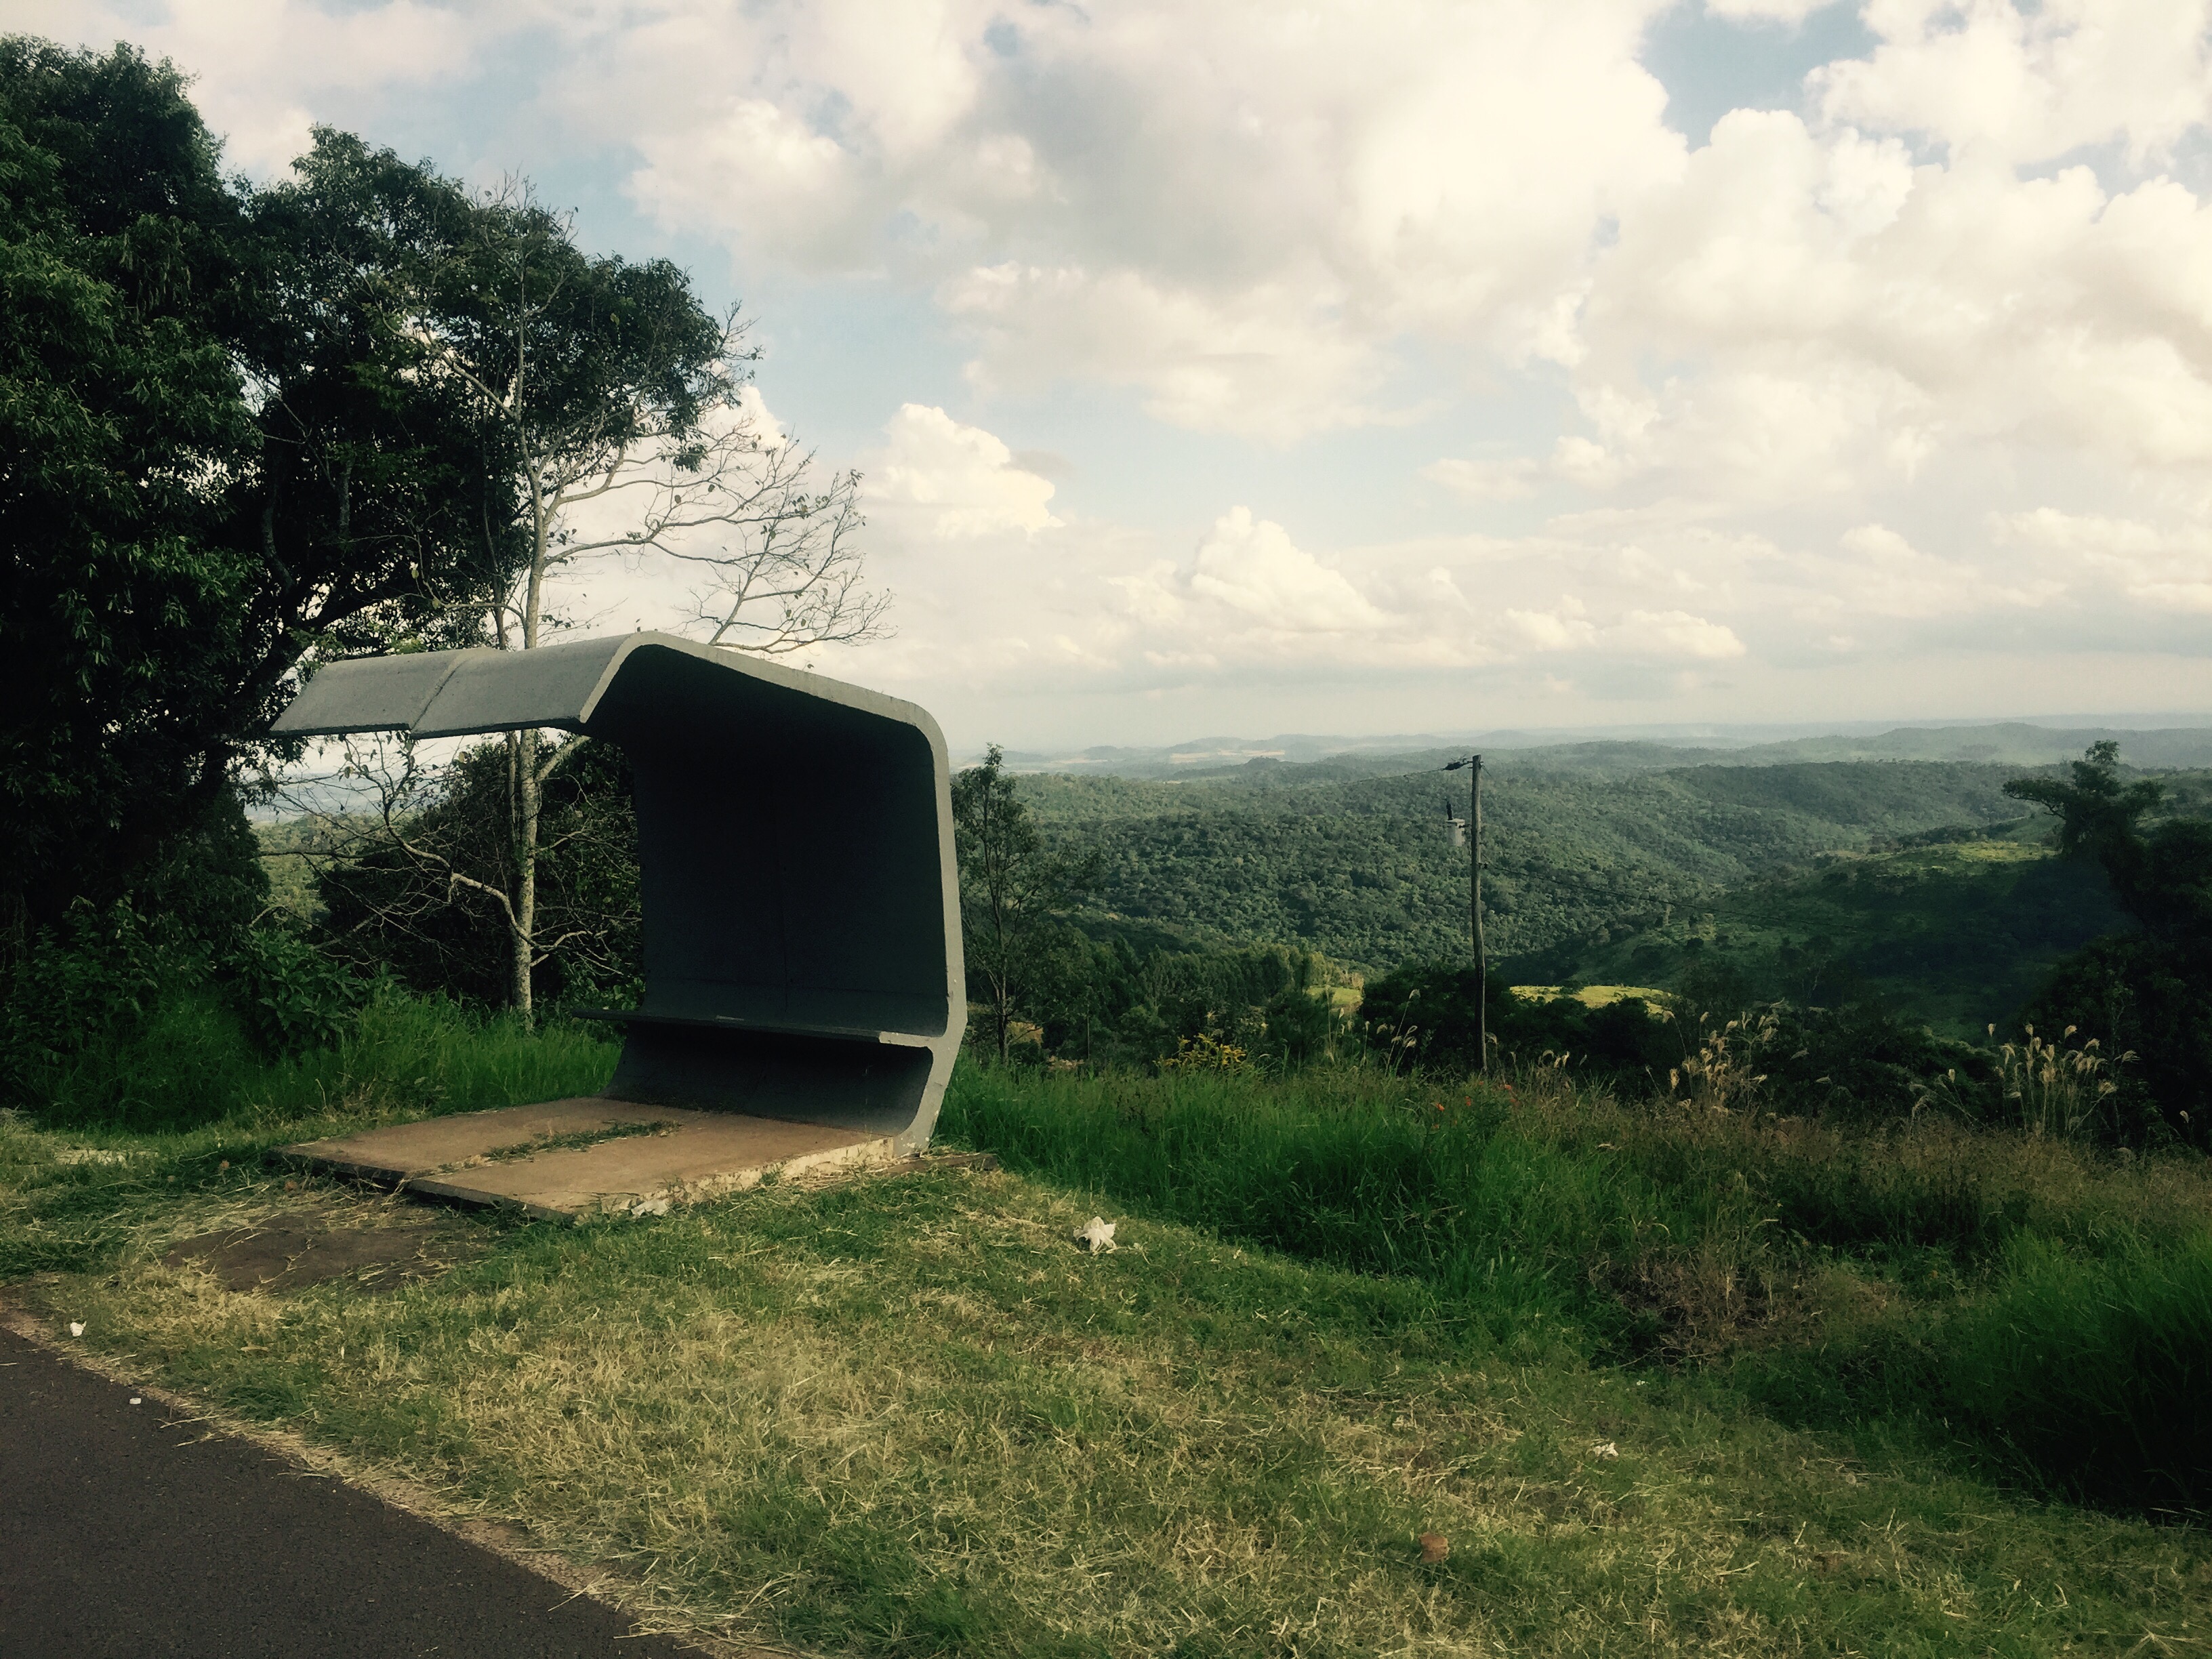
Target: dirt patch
291,1252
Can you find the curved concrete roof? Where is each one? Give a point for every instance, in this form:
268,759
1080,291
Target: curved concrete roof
802,918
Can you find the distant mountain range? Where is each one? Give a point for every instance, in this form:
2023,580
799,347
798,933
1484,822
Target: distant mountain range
2011,742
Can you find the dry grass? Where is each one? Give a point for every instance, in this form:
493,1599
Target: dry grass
910,1416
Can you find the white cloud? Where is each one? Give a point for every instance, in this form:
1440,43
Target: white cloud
1255,568
1765,11
1562,629
959,481
1677,634
266,70
1803,393
2027,83
2167,568
1831,316
1504,480
1239,210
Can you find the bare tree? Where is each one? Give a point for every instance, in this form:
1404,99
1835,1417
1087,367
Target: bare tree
620,407
408,856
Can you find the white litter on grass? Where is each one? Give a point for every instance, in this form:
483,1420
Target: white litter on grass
1097,1234
77,1328
90,1155
650,1207
136,1400
1608,1450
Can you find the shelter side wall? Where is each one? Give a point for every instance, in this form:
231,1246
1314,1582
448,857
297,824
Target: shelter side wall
790,853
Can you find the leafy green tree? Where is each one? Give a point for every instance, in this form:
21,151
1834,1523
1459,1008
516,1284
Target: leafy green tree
2146,995
2162,877
213,461
121,424
1011,883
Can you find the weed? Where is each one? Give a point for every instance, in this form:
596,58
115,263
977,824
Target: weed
2054,1091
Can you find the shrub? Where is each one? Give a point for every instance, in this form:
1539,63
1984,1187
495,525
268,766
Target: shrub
289,995
2096,1375
1424,1015
2151,997
86,986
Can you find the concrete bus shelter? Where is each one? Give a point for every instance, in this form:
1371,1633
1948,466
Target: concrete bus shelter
805,995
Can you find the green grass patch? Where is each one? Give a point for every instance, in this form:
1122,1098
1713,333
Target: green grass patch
2097,1372
191,1064
1669,1381
909,1417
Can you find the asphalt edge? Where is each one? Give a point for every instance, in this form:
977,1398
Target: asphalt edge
506,1539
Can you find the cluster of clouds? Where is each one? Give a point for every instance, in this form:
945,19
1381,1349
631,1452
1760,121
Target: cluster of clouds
1919,364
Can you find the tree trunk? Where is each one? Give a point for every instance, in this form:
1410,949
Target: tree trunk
522,749
522,752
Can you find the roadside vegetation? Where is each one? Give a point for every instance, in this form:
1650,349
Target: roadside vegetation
1665,1378
1844,1284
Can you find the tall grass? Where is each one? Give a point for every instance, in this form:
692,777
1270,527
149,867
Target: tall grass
191,1063
1472,1189
2096,1374
2052,1302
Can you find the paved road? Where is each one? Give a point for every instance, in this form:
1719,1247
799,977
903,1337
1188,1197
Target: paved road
123,1535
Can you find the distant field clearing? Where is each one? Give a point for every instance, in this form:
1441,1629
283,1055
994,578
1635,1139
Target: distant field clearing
1594,996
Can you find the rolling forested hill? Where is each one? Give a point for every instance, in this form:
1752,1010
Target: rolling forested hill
1962,932
1360,866
2008,743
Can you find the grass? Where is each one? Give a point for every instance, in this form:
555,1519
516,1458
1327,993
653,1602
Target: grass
2078,1363
1541,1198
909,1418
1669,1384
193,1064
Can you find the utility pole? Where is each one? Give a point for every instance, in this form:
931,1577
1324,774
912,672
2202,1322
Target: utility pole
1482,957
1474,764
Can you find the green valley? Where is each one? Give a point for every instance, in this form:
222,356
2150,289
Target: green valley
1360,868
1958,934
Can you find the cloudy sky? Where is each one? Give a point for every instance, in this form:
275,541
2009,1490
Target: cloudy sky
1377,365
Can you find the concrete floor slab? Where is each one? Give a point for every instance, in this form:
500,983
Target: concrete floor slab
566,1159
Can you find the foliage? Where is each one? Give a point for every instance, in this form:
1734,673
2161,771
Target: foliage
2141,995
1134,997
1011,883
290,995
1422,1016
1959,928
1713,1042
1204,1054
2147,993
216,463
1358,867
110,1017
118,405
391,899
87,985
